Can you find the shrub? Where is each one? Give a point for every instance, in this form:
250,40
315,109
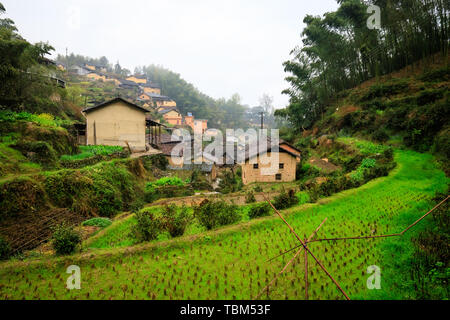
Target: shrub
258,188
380,135
250,197
38,151
212,214
155,161
175,219
5,249
97,222
285,199
21,195
259,210
147,228
368,163
65,239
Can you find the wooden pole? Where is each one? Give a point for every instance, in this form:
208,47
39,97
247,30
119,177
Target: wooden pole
306,273
290,261
309,251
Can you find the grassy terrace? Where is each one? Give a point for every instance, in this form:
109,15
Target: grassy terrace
231,262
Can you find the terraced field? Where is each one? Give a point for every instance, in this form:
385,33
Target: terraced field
232,263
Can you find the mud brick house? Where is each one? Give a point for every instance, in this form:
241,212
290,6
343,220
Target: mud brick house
116,123
253,168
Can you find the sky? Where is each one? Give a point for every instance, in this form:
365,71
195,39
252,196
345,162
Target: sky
221,47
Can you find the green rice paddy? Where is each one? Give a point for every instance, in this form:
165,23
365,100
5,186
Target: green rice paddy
232,263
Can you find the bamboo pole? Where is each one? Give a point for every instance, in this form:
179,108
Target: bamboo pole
306,273
290,261
309,251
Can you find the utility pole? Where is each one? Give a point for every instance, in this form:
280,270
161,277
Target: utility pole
262,120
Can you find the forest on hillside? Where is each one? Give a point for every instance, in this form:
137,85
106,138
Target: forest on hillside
339,51
329,72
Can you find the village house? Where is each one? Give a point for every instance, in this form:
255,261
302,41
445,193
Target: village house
138,79
151,88
172,116
116,123
200,126
95,76
80,70
288,155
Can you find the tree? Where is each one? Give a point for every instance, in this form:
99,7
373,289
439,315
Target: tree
266,101
338,51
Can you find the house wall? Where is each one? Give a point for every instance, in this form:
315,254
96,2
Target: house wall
114,124
152,90
96,76
173,118
137,80
250,175
166,104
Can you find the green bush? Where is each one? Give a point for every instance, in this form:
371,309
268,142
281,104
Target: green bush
250,197
212,214
97,222
148,226
92,151
65,239
5,249
259,210
258,188
175,219
285,199
38,151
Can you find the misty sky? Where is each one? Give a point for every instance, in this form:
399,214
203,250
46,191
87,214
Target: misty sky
222,47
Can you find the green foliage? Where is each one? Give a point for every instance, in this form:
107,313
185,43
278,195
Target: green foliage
385,89
156,161
91,151
258,188
38,151
5,249
175,219
148,226
98,222
250,197
21,195
259,210
65,239
386,205
285,199
213,214
230,182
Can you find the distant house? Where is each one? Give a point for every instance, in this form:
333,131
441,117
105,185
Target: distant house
80,70
172,116
96,76
253,168
116,123
144,97
189,120
126,84
200,126
138,79
95,67
151,88
61,66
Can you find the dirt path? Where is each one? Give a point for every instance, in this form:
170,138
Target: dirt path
238,199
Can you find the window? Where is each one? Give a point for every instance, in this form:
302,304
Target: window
281,165
278,176
255,166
